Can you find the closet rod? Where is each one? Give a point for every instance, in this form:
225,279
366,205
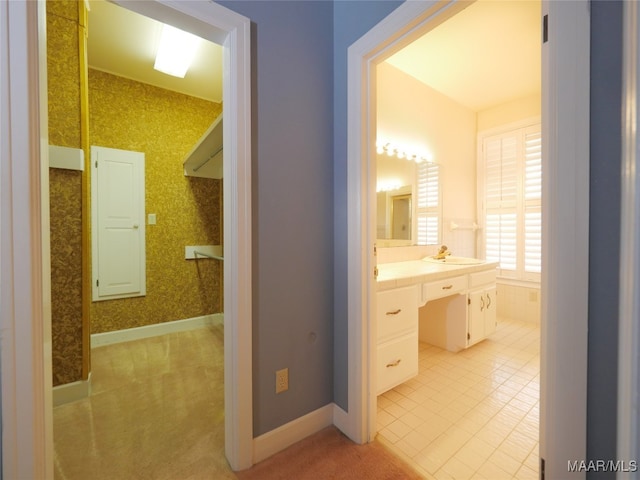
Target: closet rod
215,257
195,169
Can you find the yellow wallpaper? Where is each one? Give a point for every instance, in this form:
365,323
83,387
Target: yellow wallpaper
164,125
65,192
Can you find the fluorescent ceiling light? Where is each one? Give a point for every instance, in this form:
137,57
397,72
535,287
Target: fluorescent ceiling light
175,51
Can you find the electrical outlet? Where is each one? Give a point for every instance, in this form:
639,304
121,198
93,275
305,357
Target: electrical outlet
282,380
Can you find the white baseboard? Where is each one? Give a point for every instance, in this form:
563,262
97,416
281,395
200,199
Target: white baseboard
70,392
277,440
137,333
341,420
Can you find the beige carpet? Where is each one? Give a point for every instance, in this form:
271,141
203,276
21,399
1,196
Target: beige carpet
330,455
156,413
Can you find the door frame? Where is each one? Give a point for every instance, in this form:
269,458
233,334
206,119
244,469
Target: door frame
566,193
628,432
25,321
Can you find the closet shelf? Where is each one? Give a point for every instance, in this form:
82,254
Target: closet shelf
205,159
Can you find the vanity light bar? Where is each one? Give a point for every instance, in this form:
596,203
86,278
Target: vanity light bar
401,152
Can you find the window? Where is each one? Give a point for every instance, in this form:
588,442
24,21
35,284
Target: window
428,203
511,196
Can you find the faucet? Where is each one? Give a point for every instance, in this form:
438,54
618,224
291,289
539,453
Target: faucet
442,253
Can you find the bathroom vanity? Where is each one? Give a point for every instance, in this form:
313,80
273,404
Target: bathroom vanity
450,305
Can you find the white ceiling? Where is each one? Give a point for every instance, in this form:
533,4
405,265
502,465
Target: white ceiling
124,43
486,55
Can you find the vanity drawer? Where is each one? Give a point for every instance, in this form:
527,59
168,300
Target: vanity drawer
397,311
397,362
443,288
482,278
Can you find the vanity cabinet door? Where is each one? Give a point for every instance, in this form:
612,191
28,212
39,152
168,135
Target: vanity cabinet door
490,319
475,316
481,315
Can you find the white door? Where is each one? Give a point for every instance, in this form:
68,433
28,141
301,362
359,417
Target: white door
118,233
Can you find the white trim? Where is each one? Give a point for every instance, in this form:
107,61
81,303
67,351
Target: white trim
155,330
628,435
71,392
25,303
282,437
518,283
566,273
340,418
565,239
66,158
26,349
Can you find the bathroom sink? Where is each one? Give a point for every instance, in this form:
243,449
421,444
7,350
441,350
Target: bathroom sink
453,260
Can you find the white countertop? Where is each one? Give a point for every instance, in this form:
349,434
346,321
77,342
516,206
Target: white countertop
401,274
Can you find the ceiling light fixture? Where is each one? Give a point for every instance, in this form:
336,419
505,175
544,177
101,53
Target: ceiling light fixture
176,51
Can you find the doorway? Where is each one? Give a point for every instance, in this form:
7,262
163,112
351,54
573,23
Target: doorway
27,445
224,27
563,412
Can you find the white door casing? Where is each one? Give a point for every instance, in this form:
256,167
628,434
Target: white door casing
25,323
118,223
564,322
628,435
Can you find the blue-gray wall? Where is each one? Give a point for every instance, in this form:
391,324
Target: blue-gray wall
292,67
299,105
604,238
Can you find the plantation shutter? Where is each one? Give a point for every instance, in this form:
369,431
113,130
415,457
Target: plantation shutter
428,203
512,166
533,201
501,187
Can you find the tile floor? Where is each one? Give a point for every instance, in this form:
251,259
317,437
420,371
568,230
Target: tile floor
472,414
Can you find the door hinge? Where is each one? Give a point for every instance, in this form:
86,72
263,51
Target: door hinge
541,468
468,301
468,336
375,250
97,283
375,271
545,29
96,164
